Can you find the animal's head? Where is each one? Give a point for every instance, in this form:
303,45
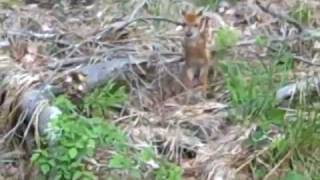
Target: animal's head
191,23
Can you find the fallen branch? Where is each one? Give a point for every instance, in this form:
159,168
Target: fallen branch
96,75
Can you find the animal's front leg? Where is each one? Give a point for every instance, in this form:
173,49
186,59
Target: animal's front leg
204,79
188,77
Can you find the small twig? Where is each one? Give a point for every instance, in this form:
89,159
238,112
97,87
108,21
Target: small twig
68,62
274,14
151,18
129,22
299,58
251,158
13,130
277,165
126,117
94,162
304,60
32,34
136,10
249,42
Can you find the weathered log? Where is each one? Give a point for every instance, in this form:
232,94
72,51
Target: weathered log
96,75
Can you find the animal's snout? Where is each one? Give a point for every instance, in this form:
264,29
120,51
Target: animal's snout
188,34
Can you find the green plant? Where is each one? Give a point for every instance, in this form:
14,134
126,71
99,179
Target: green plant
105,98
252,88
225,38
249,89
261,41
73,138
159,7
10,3
76,137
163,8
302,13
299,147
212,4
294,175
168,172
303,138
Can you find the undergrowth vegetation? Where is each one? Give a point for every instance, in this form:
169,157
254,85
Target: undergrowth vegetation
225,39
70,149
302,13
252,88
84,143
212,4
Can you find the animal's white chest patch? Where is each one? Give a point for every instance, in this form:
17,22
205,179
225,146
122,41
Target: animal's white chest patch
192,44
195,42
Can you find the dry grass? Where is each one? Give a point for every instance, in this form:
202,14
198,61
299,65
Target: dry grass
200,138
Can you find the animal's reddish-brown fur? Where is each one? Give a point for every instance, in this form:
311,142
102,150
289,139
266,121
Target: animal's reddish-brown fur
196,52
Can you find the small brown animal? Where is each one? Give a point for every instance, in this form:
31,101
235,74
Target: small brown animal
195,71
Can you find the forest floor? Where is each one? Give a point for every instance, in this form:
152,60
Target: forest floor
249,126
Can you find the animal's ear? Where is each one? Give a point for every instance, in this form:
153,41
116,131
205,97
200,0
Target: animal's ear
200,13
